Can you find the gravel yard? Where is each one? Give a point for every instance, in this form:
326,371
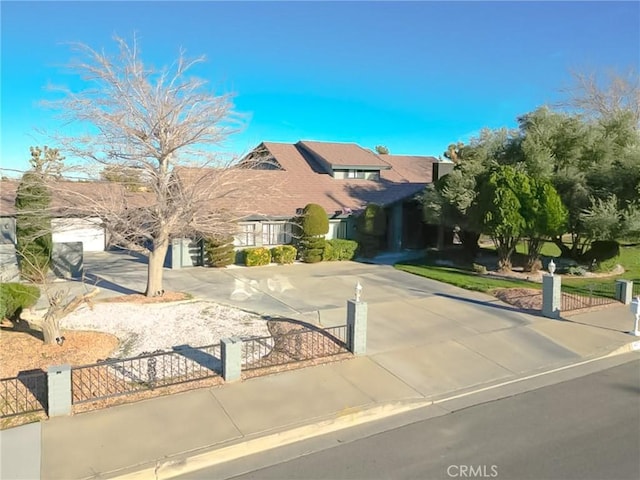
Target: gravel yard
150,327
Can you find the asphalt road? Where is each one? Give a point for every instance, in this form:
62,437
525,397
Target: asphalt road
585,428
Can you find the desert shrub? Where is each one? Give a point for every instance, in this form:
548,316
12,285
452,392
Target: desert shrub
344,249
577,271
219,252
254,257
14,297
284,254
312,249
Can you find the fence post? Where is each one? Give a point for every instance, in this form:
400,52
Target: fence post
357,327
624,291
551,296
231,353
59,390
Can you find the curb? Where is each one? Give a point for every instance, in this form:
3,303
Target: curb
170,468
350,418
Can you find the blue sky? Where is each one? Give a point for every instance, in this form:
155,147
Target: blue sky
414,76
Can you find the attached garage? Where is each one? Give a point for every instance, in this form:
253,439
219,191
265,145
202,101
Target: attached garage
89,231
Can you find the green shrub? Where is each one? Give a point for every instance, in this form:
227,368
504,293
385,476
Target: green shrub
478,268
14,297
284,254
314,221
219,252
312,249
254,257
372,226
328,254
577,271
600,251
344,249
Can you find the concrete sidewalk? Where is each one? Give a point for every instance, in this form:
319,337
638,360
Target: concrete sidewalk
152,433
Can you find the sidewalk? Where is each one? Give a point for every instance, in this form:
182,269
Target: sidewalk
123,439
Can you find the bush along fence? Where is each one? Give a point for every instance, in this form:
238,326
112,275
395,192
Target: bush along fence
556,299
57,390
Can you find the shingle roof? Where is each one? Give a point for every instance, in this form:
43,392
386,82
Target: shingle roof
300,180
343,155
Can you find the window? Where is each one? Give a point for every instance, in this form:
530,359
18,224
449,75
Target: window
355,174
247,235
276,233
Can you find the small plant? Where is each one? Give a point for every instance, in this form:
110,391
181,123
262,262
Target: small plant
343,249
478,268
284,254
255,257
15,297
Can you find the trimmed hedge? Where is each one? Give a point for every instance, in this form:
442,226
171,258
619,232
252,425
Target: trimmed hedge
219,253
371,229
255,257
343,249
15,297
314,221
284,254
312,249
328,254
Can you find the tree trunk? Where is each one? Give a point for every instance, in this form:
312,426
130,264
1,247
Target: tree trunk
470,245
155,268
534,246
564,250
51,326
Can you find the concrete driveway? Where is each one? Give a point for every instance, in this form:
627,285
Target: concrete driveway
432,336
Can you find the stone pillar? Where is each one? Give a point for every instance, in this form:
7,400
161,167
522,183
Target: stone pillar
231,353
551,296
59,390
357,327
624,291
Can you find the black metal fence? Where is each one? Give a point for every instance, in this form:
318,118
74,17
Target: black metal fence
26,393
295,346
116,377
576,298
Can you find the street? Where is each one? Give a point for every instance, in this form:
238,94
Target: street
585,428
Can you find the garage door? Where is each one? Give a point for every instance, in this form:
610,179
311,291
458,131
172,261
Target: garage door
85,230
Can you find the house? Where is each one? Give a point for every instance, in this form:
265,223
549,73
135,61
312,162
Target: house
342,178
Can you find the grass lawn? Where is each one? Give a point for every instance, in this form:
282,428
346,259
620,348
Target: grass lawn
467,279
463,278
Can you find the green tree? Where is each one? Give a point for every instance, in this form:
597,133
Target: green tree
501,207
33,214
382,150
545,217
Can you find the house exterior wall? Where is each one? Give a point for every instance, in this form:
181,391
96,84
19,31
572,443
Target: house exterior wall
89,231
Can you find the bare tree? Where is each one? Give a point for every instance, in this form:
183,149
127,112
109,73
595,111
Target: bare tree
604,96
167,125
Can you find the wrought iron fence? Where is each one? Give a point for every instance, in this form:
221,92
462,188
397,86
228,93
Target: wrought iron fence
576,298
25,393
294,346
116,377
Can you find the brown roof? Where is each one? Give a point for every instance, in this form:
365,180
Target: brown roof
75,198
342,155
296,180
301,181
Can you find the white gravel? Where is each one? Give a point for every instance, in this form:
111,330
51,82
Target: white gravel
151,327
